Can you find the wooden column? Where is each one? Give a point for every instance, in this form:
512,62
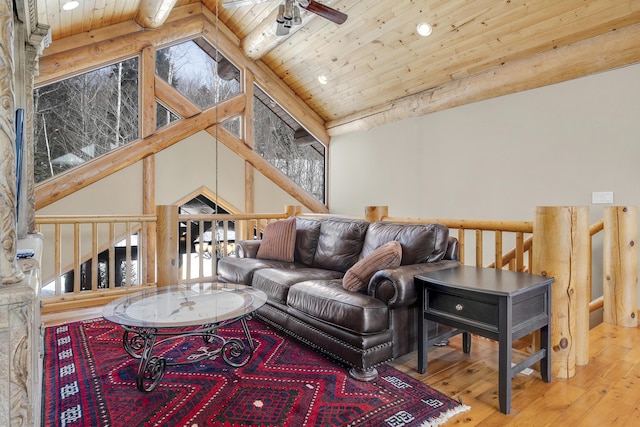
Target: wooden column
562,249
149,208
620,265
167,245
375,213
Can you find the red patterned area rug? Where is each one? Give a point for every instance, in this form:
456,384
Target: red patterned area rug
89,381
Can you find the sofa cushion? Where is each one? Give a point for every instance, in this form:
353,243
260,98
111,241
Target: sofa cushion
420,242
278,241
358,276
330,302
339,244
307,234
240,270
275,282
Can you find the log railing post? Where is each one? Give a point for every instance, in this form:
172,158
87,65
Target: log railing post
562,250
620,265
375,213
292,210
167,245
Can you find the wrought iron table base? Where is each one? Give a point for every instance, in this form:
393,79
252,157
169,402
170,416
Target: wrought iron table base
140,342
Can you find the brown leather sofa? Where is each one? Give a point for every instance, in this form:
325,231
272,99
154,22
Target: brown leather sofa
307,300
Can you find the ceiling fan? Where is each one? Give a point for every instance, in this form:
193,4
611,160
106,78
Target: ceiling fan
289,12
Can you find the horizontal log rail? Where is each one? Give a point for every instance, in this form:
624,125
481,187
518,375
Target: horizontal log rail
78,244
199,259
513,259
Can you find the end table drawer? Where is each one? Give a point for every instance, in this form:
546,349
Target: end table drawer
463,308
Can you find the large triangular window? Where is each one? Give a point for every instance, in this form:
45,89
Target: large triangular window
199,72
85,116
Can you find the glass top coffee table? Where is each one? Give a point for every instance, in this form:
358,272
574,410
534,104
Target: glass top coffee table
155,316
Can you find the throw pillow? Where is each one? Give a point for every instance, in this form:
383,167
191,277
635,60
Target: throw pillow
278,241
358,276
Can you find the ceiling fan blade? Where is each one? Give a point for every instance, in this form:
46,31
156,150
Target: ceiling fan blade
326,12
238,3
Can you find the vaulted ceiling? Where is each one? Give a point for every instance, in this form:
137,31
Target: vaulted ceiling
379,69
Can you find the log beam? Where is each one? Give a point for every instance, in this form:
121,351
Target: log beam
267,169
65,184
80,57
268,81
611,50
153,13
93,55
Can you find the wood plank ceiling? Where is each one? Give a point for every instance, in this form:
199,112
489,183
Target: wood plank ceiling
379,69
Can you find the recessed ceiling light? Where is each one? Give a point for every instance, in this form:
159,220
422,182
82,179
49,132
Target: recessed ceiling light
70,5
424,29
323,80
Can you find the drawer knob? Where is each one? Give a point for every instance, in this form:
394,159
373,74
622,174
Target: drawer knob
459,307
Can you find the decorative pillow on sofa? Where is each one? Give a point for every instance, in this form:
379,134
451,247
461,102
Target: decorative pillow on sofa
278,241
358,276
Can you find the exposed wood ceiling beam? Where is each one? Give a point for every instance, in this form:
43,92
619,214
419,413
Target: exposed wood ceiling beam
116,160
263,38
608,51
88,55
154,13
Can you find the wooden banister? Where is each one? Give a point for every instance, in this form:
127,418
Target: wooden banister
517,234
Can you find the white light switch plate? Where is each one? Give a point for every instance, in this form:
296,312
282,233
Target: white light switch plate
602,197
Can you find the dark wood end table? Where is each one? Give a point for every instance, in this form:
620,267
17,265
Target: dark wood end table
497,304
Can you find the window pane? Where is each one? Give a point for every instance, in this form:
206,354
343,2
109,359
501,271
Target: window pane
285,144
196,70
233,125
164,116
83,117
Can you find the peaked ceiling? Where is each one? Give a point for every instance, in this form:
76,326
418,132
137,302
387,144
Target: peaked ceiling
379,69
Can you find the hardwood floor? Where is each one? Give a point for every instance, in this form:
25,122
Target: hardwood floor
605,392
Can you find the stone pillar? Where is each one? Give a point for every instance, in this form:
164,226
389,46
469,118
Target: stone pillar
27,58
9,270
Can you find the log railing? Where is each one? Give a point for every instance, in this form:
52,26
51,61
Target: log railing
213,242
558,244
108,252
90,236
516,259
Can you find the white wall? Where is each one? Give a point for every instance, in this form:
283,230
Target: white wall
190,164
500,158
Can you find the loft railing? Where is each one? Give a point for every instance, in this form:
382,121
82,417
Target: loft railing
464,230
213,236
79,243
87,258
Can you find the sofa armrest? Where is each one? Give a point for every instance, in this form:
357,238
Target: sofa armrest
247,248
395,286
